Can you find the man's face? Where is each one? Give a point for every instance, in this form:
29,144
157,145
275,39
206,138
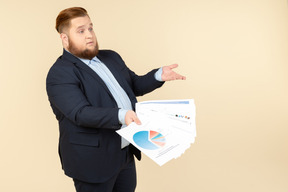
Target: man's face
82,40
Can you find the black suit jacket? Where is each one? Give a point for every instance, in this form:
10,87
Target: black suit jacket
89,147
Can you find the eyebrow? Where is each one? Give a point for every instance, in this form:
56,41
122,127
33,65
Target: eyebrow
82,26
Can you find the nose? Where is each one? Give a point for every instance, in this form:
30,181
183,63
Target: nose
89,34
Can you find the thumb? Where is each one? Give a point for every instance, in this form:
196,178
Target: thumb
137,120
173,66
131,117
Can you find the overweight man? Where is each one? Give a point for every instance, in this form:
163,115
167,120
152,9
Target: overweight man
92,94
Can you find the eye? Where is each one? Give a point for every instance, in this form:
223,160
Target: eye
90,29
81,31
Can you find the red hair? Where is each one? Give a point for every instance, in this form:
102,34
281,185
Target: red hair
66,15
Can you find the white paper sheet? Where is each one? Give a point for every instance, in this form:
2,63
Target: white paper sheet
168,129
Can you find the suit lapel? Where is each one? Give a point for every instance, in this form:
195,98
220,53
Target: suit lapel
109,63
77,62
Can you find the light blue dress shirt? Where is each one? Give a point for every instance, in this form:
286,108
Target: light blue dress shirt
120,96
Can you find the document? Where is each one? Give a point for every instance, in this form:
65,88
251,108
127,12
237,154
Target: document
168,129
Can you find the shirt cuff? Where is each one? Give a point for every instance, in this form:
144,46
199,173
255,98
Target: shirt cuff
158,75
121,116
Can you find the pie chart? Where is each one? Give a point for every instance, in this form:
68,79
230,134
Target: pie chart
150,140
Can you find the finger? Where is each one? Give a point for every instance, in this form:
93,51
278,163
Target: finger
137,121
173,66
134,119
181,77
131,117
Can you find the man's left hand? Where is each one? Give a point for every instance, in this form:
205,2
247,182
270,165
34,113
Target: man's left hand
169,75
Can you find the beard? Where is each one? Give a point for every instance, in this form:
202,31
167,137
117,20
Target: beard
84,54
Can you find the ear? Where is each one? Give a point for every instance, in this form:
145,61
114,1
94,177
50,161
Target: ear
64,37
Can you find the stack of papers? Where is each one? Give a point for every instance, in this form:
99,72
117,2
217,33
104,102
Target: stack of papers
168,129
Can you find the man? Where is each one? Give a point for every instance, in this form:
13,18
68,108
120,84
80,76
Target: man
93,93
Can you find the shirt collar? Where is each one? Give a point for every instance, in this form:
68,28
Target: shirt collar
89,62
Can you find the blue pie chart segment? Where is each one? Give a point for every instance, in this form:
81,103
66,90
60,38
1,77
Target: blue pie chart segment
148,140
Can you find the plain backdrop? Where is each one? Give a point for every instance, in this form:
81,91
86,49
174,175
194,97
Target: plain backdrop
233,53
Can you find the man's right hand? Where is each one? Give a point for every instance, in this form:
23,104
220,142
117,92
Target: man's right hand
131,117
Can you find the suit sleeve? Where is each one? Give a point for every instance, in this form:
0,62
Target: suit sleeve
145,84
68,100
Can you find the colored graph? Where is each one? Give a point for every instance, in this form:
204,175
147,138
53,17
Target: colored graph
150,140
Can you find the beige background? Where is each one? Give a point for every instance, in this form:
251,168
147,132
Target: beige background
233,52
